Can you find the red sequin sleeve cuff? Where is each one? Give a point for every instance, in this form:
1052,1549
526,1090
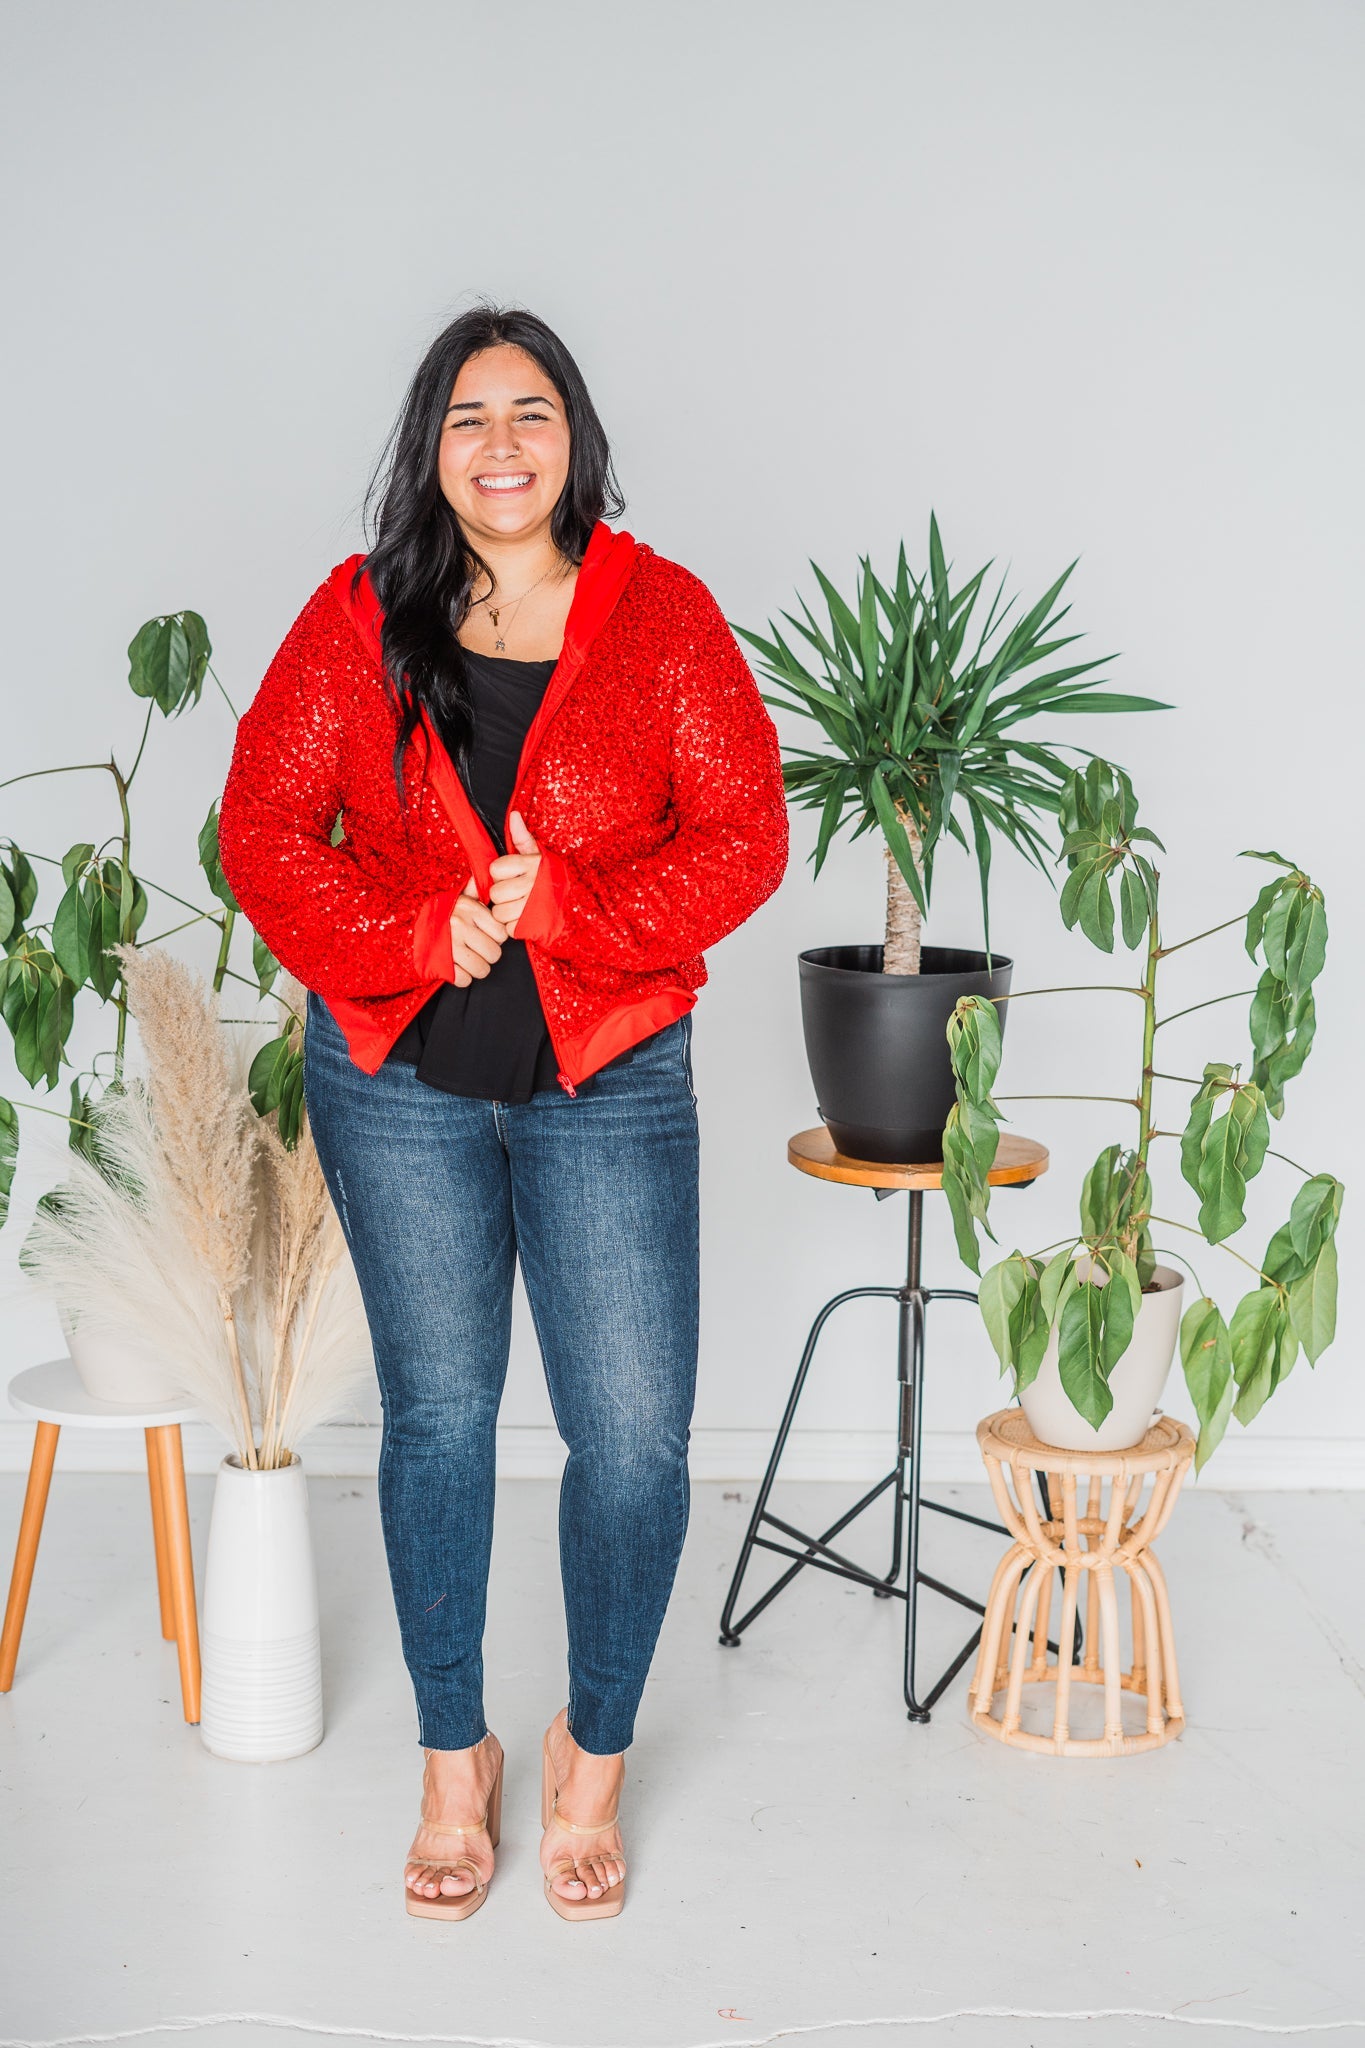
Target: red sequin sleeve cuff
432,947
542,918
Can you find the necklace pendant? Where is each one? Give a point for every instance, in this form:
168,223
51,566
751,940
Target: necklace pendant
501,646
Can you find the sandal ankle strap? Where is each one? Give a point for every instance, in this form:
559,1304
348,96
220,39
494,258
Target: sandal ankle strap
579,1827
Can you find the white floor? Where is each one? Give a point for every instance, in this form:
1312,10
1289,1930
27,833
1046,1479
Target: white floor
804,1863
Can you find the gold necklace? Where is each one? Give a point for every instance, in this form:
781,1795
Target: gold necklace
494,612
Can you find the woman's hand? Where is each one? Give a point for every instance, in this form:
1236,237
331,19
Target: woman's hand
514,876
475,937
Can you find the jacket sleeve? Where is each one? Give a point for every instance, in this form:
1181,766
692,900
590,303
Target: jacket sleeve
728,850
336,928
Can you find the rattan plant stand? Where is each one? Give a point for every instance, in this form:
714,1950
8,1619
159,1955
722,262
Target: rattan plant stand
1018,1162
1089,1545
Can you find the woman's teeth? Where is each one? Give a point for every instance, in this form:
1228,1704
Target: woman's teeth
505,483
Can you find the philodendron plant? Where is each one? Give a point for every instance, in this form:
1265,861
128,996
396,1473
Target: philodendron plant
48,964
1231,1366
922,724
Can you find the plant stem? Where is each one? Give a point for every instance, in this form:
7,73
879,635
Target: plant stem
1083,988
1168,1254
1290,1162
224,946
42,1109
1188,1079
146,728
1149,1026
1129,1101
1236,996
69,768
198,919
1170,1223
1226,925
125,846
217,679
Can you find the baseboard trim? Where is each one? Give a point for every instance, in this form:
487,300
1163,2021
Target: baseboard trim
351,1450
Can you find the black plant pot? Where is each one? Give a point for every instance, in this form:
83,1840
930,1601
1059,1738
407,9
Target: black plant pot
878,1047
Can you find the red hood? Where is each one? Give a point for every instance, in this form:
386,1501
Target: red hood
602,576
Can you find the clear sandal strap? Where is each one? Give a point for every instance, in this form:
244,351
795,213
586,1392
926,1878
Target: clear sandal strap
442,1827
578,1827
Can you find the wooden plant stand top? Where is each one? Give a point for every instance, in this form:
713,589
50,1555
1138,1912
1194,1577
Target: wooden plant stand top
1087,1540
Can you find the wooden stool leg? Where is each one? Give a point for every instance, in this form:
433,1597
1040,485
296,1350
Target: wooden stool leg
26,1549
175,1507
163,1570
1170,1670
1113,1665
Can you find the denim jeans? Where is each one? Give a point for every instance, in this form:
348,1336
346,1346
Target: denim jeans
439,1195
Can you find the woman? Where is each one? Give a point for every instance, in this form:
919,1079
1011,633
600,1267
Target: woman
505,780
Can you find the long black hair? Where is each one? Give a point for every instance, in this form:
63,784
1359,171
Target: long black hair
421,565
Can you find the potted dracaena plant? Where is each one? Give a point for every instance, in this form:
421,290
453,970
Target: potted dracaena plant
1088,1327
924,722
50,965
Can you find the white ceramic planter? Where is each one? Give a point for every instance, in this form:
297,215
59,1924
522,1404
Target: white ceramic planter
1136,1383
117,1369
262,1693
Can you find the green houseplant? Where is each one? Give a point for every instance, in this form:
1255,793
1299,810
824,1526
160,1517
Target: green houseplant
925,722
1075,1312
67,953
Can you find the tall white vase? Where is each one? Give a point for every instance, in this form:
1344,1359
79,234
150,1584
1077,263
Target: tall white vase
262,1665
1136,1383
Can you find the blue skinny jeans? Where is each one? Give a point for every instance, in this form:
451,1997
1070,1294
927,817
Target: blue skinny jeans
596,1193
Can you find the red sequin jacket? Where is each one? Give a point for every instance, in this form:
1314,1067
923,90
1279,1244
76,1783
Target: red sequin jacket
650,778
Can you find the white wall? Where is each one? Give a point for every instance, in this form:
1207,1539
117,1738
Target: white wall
1086,279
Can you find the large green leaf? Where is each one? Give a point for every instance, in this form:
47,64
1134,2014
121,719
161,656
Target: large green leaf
974,1045
167,659
1313,1303
9,1152
1263,1348
210,862
1313,1217
1002,1288
971,1137
1206,1354
1080,1345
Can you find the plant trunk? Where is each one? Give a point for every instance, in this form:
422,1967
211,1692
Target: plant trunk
903,921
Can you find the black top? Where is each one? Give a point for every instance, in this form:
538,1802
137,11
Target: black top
490,1040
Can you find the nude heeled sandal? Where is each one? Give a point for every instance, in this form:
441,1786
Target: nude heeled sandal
612,1900
462,1904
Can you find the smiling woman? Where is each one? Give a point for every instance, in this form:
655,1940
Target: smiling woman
502,961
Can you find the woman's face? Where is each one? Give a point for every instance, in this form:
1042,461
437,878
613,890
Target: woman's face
504,446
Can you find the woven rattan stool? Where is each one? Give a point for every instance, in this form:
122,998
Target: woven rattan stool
1088,1547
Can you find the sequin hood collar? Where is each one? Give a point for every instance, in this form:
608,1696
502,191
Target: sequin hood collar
602,575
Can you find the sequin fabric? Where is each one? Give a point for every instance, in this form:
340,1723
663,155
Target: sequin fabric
655,791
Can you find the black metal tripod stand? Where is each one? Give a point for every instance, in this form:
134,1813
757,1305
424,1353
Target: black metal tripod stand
913,1299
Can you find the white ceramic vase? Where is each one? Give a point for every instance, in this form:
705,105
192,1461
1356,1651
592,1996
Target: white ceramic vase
116,1368
1136,1383
262,1690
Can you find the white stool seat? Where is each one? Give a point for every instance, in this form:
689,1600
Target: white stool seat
52,1392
